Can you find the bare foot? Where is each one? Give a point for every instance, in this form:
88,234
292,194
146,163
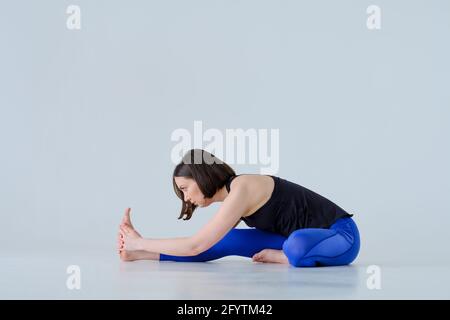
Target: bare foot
271,256
138,255
126,221
128,255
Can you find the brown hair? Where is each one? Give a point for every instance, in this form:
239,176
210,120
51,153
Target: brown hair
209,172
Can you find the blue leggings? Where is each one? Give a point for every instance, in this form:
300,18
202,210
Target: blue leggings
310,247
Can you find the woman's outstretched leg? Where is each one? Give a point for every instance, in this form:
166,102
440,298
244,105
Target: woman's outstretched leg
138,255
237,242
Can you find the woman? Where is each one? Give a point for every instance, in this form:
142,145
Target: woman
292,224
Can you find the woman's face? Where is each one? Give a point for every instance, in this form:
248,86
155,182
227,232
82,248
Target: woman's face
191,191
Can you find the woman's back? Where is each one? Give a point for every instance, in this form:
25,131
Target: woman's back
281,206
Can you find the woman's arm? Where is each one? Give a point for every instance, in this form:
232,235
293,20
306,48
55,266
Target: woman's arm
235,206
232,209
183,246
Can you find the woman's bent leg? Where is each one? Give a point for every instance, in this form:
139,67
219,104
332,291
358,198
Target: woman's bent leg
311,247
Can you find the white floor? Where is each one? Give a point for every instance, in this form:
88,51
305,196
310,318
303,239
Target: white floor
43,276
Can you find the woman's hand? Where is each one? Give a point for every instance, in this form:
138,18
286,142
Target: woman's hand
131,240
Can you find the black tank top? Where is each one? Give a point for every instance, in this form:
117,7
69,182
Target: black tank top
292,207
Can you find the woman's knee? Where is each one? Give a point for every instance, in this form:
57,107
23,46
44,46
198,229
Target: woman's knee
296,247
301,243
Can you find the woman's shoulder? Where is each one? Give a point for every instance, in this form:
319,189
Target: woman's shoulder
252,181
259,188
